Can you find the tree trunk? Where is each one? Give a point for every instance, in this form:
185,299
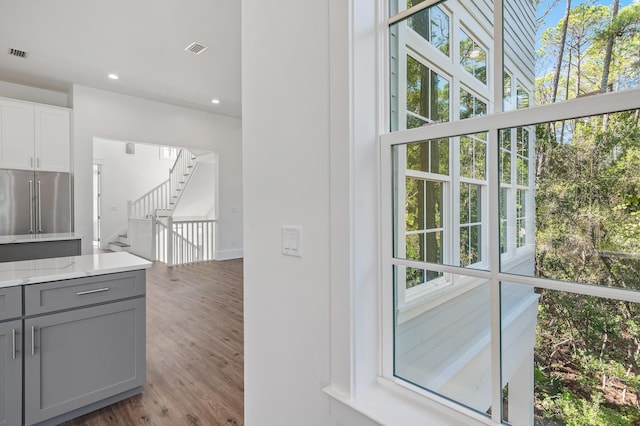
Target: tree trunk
563,39
608,52
608,56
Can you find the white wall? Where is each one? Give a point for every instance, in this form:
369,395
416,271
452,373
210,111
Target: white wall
108,115
198,198
310,111
33,94
285,110
125,177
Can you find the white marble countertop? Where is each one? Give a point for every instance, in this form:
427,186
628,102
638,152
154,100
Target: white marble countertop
33,238
63,268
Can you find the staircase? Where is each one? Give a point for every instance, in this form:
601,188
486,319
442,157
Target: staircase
152,231
120,244
162,199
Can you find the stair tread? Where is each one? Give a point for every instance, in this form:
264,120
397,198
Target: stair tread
120,244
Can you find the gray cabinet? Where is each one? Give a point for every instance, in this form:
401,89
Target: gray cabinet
84,345
79,357
11,373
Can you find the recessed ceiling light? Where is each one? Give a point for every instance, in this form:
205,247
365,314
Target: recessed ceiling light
113,76
215,101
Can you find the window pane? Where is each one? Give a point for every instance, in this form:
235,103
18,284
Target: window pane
471,106
430,156
433,25
444,346
424,226
470,224
506,91
427,93
580,352
415,213
595,52
504,221
587,213
473,57
505,156
521,217
439,156
473,150
415,277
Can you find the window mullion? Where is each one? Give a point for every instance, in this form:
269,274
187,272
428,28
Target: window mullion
493,149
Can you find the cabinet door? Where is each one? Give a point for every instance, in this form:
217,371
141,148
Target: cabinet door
52,148
16,135
78,357
11,373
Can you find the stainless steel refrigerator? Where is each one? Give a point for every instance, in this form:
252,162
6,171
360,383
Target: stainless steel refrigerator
34,202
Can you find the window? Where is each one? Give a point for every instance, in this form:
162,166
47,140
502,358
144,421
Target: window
506,90
427,95
470,105
473,57
496,224
433,25
522,98
168,153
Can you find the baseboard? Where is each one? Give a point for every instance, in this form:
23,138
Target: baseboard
227,254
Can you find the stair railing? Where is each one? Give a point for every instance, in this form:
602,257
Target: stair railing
185,241
166,195
178,174
158,198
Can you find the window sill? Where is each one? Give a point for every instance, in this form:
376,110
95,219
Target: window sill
389,403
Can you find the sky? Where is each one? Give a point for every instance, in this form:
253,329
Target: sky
557,14
558,11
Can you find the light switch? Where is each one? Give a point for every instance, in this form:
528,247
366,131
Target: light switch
292,240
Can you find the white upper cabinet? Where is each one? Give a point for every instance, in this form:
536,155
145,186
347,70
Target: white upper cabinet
16,135
34,136
51,139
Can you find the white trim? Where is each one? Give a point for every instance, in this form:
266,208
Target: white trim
395,402
605,103
405,13
227,254
410,307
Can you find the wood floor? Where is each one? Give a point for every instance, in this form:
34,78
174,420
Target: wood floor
194,350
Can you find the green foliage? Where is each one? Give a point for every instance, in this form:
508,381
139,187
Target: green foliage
587,352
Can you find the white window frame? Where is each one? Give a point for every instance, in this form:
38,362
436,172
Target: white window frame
361,315
606,103
595,105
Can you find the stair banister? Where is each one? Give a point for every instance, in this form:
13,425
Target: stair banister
170,241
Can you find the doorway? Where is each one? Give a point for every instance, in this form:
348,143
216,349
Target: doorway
97,211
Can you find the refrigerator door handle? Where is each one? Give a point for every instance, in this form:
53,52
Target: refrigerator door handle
31,206
39,210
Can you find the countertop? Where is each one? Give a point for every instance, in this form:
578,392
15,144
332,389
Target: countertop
33,238
63,268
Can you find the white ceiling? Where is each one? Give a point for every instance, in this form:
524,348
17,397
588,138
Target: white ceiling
142,41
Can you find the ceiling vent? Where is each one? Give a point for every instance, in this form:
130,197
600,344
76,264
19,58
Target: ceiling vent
196,48
18,53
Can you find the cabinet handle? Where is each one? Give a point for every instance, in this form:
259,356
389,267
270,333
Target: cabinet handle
13,336
98,290
31,160
39,208
33,340
38,163
31,206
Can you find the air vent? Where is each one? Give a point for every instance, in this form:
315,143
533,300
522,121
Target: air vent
196,48
18,53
